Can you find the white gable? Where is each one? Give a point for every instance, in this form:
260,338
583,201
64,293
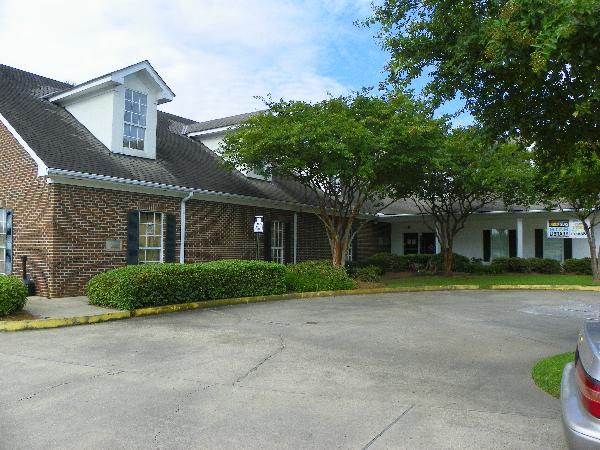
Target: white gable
100,105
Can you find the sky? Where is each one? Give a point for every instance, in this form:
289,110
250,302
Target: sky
216,55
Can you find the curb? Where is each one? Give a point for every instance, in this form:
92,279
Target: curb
545,287
40,324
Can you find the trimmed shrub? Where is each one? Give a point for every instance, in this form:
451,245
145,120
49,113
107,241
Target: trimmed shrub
500,265
13,294
389,262
518,265
460,263
312,276
141,286
368,274
544,265
581,266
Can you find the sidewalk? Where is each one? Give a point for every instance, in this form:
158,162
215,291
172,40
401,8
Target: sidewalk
50,308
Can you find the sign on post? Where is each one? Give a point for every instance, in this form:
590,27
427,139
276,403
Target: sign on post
259,224
565,229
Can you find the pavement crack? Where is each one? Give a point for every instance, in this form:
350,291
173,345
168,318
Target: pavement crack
264,360
390,425
177,410
65,383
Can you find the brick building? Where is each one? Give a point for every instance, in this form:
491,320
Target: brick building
94,177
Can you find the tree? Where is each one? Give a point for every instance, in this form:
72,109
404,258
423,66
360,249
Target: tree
529,68
463,176
574,187
346,152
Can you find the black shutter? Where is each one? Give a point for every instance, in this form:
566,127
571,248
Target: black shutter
8,263
267,241
512,243
170,239
539,243
133,237
487,244
568,248
288,243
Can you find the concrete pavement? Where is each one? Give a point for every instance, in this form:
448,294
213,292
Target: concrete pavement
403,371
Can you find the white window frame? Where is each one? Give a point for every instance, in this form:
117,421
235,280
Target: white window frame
127,142
3,245
142,249
278,242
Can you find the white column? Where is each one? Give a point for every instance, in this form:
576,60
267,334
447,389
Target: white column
438,244
520,237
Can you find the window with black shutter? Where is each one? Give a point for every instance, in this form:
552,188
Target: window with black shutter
6,239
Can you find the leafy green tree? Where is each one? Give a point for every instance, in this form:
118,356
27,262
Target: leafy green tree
574,187
530,68
347,152
464,175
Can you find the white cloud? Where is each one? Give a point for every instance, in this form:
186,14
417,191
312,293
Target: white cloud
216,55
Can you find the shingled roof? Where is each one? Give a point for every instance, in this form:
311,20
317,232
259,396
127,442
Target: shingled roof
216,124
62,142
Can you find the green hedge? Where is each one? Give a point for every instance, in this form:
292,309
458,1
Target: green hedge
390,262
13,294
140,286
312,276
544,265
368,273
581,266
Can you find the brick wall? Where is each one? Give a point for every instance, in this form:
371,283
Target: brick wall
63,229
30,199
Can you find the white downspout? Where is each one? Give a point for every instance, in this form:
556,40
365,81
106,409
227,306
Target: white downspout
182,227
295,237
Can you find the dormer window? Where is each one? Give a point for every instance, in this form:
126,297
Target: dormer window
134,131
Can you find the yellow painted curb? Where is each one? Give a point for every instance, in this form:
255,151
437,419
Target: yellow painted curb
546,287
38,324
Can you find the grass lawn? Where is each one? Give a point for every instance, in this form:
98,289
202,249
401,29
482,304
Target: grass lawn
547,373
488,280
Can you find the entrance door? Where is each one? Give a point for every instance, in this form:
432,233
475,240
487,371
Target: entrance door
427,245
411,243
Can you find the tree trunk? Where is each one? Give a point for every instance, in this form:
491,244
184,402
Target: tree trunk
448,258
594,255
338,250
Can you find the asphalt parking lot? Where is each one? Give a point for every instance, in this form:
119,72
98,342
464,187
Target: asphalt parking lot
434,370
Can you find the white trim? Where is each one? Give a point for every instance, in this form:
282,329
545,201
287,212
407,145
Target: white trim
116,78
42,169
210,131
68,177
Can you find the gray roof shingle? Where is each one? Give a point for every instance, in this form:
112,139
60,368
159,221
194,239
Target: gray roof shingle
64,143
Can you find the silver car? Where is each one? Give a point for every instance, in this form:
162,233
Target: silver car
580,391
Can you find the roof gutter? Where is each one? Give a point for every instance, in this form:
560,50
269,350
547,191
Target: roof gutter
209,195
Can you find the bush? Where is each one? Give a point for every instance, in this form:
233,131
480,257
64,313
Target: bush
161,284
544,265
13,294
518,265
368,274
499,265
312,276
389,262
581,266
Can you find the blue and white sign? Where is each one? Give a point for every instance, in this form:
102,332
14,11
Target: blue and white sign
565,229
